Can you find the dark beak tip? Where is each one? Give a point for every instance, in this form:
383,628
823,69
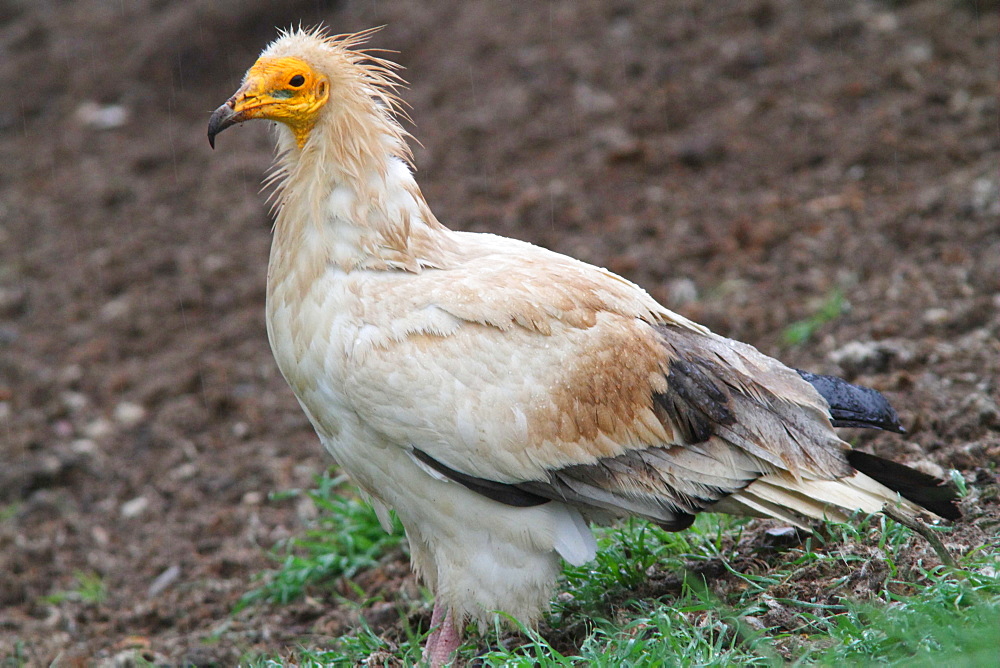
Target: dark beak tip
222,118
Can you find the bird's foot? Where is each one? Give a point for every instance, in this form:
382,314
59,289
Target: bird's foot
444,639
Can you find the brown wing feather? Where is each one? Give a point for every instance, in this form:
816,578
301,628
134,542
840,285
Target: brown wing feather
729,430
615,406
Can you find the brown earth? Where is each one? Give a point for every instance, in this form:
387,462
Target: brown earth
743,164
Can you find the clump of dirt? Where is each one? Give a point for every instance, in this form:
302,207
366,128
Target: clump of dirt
743,163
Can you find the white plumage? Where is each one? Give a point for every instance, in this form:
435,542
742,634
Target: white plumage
497,395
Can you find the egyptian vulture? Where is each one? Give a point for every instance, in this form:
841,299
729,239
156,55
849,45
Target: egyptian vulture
499,396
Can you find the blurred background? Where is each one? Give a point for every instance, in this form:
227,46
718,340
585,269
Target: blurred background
818,179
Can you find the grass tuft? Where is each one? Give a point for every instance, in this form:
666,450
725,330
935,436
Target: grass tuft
90,588
801,331
343,540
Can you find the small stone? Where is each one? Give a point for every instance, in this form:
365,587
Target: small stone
931,468
617,143
163,580
129,414
918,52
985,409
871,356
986,196
215,264
100,535
884,22
306,509
49,465
98,429
936,316
855,172
115,309
593,101
930,198
102,117
253,498
84,446
683,291
184,471
134,507
74,401
70,374
959,101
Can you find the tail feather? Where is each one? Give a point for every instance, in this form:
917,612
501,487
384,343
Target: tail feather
783,497
922,489
821,499
748,504
875,482
854,405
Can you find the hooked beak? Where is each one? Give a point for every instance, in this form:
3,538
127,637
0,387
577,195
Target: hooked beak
249,102
224,117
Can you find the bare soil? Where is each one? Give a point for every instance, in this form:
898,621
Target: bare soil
742,161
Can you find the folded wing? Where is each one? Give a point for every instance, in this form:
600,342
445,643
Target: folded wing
566,384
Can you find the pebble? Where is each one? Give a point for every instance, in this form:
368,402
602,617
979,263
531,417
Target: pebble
84,446
115,309
986,196
918,52
163,580
102,117
591,100
184,471
870,356
936,316
98,429
616,143
129,414
306,509
74,401
253,498
70,374
100,536
884,22
134,507
983,408
682,291
931,468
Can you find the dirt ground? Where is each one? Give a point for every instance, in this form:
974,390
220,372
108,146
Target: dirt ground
742,161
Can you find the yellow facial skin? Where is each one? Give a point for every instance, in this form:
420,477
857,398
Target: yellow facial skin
286,90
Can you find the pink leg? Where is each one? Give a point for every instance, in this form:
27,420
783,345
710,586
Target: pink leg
432,639
444,639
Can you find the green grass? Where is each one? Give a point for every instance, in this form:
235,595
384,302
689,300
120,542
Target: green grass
89,588
801,331
699,597
345,539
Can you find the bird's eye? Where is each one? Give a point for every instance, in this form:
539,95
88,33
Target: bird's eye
297,81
